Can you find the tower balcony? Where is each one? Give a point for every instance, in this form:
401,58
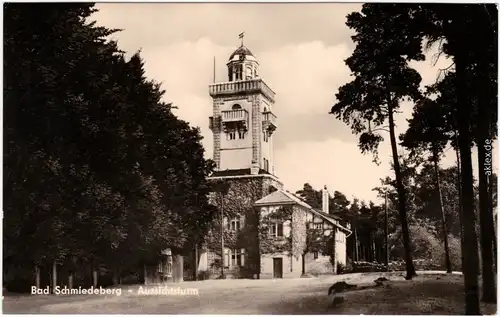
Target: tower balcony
234,115
268,122
241,87
235,119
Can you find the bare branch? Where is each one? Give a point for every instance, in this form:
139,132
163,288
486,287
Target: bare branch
444,71
436,56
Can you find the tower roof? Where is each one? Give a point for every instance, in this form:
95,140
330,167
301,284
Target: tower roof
242,50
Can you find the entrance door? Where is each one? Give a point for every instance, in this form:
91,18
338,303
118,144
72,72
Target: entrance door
278,267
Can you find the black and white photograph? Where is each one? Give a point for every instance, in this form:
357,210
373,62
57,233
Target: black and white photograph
250,158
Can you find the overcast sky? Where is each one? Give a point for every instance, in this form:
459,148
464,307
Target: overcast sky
301,49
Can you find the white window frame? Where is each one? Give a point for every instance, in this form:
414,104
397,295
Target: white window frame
234,255
273,229
235,224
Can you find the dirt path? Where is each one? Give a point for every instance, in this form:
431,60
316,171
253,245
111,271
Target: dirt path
429,294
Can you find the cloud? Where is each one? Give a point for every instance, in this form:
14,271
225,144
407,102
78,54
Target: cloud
266,25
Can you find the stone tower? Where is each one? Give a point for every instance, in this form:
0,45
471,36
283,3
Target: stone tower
243,121
242,124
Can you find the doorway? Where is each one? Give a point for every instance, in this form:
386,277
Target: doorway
277,268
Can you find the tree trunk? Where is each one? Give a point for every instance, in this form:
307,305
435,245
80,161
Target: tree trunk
196,262
386,234
460,209
486,231
374,247
470,251
410,268
145,269
94,278
54,275
356,246
303,264
70,280
495,221
484,146
116,276
369,247
437,179
37,277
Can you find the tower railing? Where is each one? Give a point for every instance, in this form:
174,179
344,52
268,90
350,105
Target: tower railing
269,116
242,86
234,115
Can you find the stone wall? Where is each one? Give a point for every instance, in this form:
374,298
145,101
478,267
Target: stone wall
321,265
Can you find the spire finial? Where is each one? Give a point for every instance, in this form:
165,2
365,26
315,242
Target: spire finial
241,36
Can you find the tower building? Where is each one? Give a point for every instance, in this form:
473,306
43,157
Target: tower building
260,230
243,121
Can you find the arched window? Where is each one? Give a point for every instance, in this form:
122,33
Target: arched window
236,107
248,73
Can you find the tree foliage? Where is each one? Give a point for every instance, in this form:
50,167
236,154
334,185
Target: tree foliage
97,167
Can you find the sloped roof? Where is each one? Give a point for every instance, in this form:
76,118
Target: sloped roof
281,196
275,198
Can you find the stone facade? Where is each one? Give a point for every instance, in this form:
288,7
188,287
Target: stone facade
238,204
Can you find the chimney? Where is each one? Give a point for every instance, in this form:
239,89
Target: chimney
326,200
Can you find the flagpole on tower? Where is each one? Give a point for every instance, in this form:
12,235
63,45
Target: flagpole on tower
241,36
214,69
